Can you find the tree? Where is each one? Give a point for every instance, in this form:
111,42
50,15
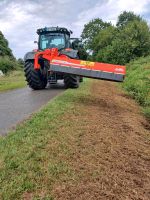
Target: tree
126,17
131,41
7,60
103,39
4,49
91,30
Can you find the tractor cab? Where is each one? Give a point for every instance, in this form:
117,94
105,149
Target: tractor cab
57,37
54,37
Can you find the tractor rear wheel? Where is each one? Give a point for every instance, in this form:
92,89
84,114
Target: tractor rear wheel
71,81
37,79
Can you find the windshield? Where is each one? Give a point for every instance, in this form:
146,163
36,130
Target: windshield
52,41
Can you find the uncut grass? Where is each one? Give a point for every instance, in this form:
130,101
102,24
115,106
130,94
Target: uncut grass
137,82
13,80
31,158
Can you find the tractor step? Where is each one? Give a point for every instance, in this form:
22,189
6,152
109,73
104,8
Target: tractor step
52,78
52,81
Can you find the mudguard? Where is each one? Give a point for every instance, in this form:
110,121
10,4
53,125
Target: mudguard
71,53
29,56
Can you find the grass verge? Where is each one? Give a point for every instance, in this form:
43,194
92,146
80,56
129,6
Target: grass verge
33,153
13,80
137,82
89,143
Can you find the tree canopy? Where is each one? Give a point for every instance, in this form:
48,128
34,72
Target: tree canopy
91,29
119,44
126,17
4,49
7,60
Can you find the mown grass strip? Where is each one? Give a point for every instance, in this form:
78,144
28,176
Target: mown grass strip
137,82
30,157
13,80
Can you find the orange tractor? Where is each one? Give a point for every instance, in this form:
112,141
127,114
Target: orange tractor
58,58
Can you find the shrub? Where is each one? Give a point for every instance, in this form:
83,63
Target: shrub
6,64
137,82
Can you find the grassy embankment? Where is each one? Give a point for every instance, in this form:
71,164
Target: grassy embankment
137,82
12,80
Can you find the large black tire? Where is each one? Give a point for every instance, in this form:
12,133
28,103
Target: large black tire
71,81
36,79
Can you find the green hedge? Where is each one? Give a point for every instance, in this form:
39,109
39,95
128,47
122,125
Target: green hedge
137,82
7,64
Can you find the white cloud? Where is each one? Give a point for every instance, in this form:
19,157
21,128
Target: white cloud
20,19
111,9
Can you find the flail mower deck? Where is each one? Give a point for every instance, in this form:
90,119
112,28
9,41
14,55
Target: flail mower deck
61,63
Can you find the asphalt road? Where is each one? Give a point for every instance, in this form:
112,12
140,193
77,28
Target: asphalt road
17,105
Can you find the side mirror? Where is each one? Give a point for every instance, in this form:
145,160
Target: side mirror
35,42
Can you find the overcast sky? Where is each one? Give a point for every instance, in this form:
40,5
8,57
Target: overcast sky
19,19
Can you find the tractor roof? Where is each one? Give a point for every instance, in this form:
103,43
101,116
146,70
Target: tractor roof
53,30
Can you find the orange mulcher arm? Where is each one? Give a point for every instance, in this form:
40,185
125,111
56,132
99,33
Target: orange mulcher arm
62,63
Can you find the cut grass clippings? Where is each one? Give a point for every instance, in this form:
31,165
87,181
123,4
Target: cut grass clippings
13,80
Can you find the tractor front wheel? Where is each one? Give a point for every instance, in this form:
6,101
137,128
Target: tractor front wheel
36,79
71,81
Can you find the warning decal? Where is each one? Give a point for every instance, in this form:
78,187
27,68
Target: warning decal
87,63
